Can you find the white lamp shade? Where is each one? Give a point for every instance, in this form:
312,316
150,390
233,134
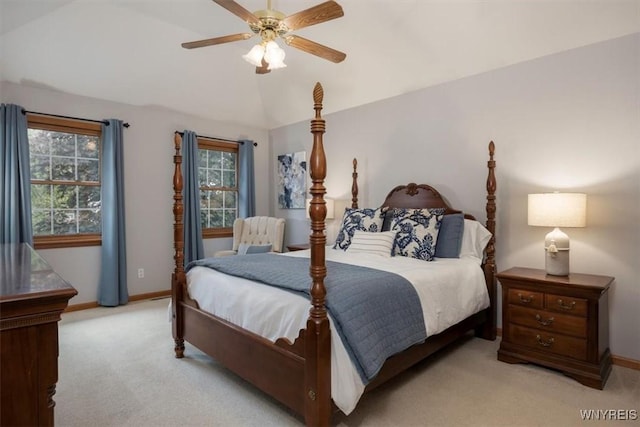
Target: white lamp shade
329,204
557,209
274,55
255,55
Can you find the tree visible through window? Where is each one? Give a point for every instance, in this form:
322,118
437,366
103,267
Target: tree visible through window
65,182
218,177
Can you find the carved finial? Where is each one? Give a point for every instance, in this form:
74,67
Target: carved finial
318,93
355,164
177,141
492,148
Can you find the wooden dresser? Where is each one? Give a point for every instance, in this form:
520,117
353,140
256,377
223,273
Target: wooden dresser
561,322
32,297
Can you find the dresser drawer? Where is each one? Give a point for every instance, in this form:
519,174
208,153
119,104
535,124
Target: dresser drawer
549,341
547,321
526,298
565,304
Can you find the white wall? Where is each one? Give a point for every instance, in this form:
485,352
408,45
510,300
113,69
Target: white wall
148,158
568,121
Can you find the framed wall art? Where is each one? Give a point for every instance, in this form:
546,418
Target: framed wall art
292,180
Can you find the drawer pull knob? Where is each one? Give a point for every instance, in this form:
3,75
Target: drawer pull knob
566,306
543,342
525,300
544,322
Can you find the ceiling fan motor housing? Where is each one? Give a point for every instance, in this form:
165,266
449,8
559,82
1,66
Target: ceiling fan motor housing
271,24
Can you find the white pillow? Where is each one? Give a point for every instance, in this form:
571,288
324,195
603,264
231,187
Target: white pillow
379,243
474,239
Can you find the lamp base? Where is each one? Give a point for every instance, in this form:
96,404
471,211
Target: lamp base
557,263
556,246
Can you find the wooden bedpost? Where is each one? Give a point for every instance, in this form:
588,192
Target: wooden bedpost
317,391
354,185
178,279
489,328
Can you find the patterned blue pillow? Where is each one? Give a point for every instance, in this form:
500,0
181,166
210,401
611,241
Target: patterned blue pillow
417,232
357,219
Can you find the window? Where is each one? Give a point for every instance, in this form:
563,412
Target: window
218,177
65,182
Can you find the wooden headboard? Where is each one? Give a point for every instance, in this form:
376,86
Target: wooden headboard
418,196
410,196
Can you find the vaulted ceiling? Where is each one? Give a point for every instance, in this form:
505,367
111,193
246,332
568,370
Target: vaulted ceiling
129,50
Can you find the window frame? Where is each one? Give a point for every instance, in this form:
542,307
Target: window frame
78,127
218,145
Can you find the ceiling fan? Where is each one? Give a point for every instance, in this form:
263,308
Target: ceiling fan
270,24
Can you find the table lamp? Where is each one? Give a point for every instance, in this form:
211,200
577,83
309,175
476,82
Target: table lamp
557,210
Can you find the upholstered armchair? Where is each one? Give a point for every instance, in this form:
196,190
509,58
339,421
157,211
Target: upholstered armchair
256,234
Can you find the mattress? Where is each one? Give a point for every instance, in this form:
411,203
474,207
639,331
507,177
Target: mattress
450,290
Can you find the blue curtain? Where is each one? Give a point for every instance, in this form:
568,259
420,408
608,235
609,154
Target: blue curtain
246,181
193,246
15,177
112,288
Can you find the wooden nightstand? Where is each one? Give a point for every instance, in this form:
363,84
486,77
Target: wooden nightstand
561,322
298,247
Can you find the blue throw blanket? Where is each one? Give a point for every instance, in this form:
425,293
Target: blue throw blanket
376,313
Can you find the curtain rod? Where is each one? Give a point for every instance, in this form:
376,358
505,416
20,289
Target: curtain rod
105,122
255,144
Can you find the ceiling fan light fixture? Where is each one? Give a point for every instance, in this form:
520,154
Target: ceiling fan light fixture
255,55
269,24
274,56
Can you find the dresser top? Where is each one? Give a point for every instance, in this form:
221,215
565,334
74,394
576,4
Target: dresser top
25,274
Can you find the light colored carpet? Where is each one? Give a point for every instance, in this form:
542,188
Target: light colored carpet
117,368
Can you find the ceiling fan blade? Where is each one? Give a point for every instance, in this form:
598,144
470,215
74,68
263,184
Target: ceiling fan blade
238,10
314,15
263,69
217,40
315,48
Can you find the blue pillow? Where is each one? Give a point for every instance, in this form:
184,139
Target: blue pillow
450,236
388,217
247,249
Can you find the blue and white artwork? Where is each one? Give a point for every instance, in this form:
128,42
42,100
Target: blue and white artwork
292,180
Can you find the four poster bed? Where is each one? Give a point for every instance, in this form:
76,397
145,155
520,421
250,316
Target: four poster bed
300,367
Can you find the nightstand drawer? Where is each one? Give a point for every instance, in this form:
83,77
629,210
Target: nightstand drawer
547,321
565,304
526,298
549,342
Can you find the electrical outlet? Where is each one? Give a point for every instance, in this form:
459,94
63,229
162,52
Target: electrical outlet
141,273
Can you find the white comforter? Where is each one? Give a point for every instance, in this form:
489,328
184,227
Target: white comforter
449,290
